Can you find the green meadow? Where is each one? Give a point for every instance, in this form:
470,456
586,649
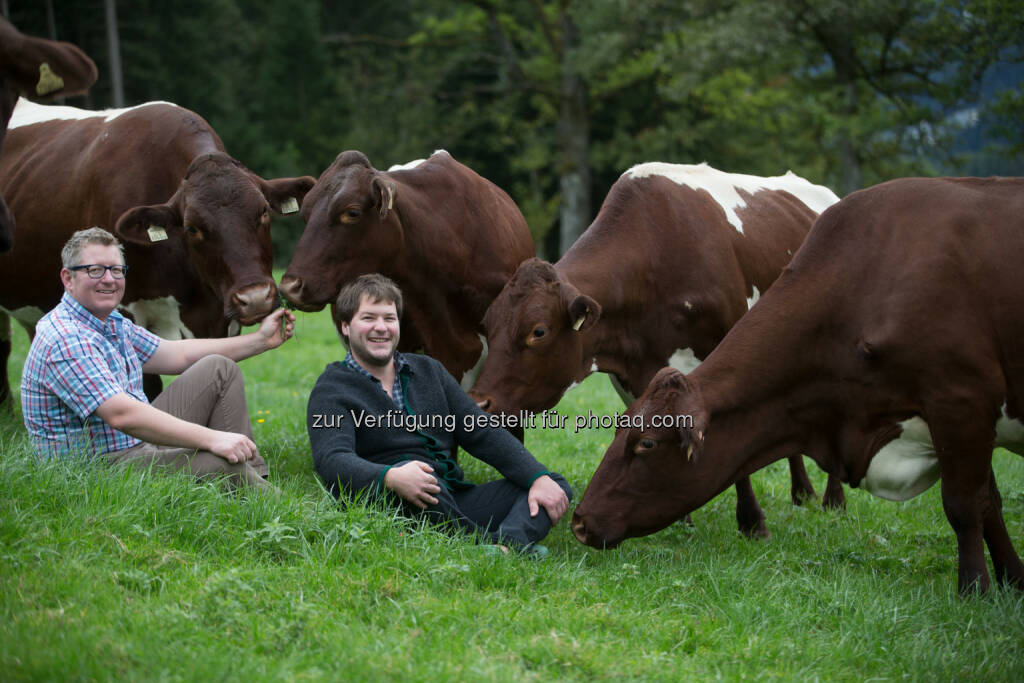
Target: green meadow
115,575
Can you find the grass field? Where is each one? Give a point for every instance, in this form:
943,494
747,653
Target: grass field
108,575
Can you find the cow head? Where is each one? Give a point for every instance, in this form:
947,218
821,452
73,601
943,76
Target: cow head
221,213
535,329
655,469
352,228
36,68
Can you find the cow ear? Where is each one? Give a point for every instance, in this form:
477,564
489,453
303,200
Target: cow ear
583,312
41,68
285,195
383,190
147,225
692,430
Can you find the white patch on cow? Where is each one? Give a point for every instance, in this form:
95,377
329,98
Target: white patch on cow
409,165
160,316
752,299
687,305
571,387
906,466
234,328
469,376
26,113
684,360
1010,433
593,366
723,187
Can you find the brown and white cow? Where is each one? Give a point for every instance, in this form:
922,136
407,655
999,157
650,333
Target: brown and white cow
448,237
677,254
35,67
889,351
195,222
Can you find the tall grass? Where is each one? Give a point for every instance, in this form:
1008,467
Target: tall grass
112,575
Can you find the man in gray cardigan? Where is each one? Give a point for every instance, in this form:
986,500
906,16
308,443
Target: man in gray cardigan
386,423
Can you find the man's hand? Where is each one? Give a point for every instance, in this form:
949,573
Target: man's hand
415,482
547,494
232,447
277,327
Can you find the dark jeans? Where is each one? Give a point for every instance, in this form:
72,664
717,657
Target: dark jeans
498,510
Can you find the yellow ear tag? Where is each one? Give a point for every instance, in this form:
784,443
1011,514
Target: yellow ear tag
290,205
579,322
48,81
156,233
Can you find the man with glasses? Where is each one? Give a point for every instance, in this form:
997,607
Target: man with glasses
81,389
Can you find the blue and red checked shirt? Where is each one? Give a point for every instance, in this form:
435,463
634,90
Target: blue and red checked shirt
75,363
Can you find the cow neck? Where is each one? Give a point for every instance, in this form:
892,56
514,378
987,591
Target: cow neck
754,415
598,342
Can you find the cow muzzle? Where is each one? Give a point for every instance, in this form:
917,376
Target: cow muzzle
588,536
294,290
254,302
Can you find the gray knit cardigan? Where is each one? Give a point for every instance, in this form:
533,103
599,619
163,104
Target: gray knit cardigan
352,454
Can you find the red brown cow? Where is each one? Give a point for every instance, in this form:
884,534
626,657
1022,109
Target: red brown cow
448,237
675,257
195,222
889,351
35,67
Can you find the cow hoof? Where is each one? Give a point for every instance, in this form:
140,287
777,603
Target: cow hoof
757,532
801,496
834,503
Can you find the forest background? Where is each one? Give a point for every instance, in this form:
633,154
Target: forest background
553,99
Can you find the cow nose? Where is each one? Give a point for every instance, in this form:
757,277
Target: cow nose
291,288
485,402
579,529
254,301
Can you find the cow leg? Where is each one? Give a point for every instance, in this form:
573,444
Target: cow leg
834,498
5,354
152,385
965,465
1005,562
801,489
749,515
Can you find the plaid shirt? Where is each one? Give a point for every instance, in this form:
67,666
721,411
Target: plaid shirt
401,365
76,363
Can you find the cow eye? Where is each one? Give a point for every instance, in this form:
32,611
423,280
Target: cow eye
537,335
192,230
351,214
644,445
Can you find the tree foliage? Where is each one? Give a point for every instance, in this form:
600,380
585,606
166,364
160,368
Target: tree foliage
553,99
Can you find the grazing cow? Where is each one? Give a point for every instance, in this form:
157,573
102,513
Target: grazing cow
195,222
35,67
675,257
448,237
889,351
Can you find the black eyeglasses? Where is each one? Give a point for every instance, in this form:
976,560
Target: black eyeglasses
96,271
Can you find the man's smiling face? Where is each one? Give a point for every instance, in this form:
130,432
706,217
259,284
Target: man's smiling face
99,297
373,332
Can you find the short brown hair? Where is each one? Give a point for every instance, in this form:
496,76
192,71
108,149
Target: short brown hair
72,250
376,287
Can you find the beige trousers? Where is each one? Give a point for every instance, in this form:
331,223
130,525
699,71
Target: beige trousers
210,393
